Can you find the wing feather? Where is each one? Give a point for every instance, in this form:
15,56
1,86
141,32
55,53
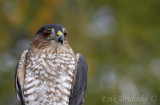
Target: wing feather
79,88
19,78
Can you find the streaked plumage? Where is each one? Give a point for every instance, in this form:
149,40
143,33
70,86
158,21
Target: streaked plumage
49,73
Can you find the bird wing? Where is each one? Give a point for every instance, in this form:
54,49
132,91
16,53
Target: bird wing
79,88
19,78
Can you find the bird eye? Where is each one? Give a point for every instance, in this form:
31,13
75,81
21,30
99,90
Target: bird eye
65,33
46,33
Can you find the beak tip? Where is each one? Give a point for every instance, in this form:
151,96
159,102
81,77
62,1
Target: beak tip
60,39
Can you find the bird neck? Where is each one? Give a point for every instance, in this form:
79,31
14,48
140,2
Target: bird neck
52,47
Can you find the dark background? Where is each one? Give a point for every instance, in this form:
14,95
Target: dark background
120,40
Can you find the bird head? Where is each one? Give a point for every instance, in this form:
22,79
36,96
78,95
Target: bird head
53,32
50,36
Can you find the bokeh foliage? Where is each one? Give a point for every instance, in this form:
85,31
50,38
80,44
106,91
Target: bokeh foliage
119,39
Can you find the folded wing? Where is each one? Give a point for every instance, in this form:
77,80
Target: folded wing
19,78
79,88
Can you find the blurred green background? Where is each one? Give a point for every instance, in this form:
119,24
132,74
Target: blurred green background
120,40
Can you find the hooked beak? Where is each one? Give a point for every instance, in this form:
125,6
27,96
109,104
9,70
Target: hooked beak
60,37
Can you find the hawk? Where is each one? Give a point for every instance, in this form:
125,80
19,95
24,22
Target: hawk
49,73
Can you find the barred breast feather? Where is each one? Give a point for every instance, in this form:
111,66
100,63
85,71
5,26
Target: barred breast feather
49,78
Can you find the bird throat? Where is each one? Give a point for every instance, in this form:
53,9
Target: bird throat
51,47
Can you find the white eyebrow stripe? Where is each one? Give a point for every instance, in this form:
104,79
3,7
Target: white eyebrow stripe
53,31
63,29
